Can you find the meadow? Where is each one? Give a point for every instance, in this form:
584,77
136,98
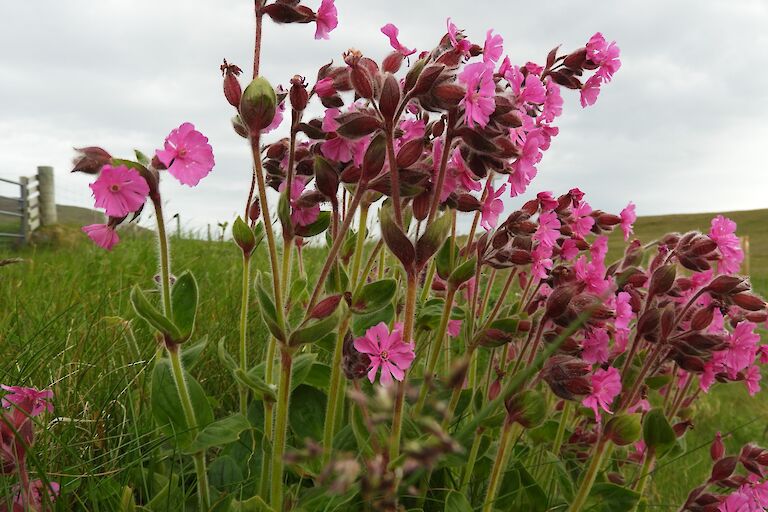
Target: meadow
61,325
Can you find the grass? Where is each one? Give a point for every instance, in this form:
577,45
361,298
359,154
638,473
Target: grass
57,327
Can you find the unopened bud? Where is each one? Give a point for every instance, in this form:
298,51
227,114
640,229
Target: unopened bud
662,280
254,211
232,89
725,285
258,105
624,429
748,301
90,160
392,62
326,307
528,408
717,448
723,468
298,93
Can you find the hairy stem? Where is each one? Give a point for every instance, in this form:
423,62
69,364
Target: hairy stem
510,431
408,321
329,430
435,348
245,293
281,428
589,477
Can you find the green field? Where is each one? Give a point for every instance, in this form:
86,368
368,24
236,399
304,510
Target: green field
55,331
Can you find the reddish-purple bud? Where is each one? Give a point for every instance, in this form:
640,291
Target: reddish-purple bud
723,468
717,449
90,160
748,301
703,317
326,307
298,93
254,211
232,89
392,62
725,285
389,99
662,280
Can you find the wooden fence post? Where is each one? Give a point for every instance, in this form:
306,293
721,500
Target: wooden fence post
745,249
24,198
47,190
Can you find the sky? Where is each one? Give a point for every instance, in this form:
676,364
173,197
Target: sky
682,128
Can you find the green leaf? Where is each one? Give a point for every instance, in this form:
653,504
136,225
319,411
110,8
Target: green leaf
141,157
443,262
307,412
657,432
361,323
284,212
428,316
268,311
225,357
302,364
184,298
191,353
219,433
608,497
166,405
319,226
261,389
337,281
224,473
255,504
319,376
374,296
298,288
432,239
313,330
152,315
457,502
463,272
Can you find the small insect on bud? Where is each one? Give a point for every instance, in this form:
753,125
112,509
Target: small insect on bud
232,89
298,93
90,160
258,105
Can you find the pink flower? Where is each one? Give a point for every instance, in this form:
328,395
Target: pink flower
534,91
590,90
546,201
412,129
752,379
102,235
464,174
29,400
595,46
623,310
326,20
628,217
524,168
595,346
119,190
478,102
187,155
462,46
300,216
599,249
583,222
604,55
493,47
553,102
492,207
277,120
386,350
34,497
325,88
606,385
392,32
454,328
549,229
742,348
723,231
569,249
505,66
592,275
542,261
449,179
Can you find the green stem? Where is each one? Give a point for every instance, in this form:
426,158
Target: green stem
408,321
244,329
499,465
435,348
359,246
645,471
589,477
470,466
329,430
281,429
174,353
165,265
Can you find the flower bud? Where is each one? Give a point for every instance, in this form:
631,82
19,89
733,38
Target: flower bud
726,285
528,408
239,127
392,62
254,211
662,280
748,301
298,93
409,153
558,301
325,307
624,429
258,105
723,468
717,449
232,89
243,236
90,160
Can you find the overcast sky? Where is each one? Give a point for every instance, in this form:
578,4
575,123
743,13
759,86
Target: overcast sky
682,128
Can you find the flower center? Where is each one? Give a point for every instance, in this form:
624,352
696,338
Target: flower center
114,187
384,355
181,152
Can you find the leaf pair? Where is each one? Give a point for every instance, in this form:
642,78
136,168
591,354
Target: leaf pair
180,324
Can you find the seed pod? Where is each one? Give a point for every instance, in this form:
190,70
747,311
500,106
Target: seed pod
298,93
624,429
258,105
232,90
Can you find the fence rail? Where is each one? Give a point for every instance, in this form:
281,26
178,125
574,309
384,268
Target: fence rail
30,210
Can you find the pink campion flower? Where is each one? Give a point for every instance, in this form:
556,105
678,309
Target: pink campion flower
102,235
742,348
492,207
723,232
505,66
391,31
454,328
462,46
524,168
606,385
752,379
549,229
325,88
464,174
762,350
569,250
542,261
620,341
590,90
32,499
592,275
493,47
533,68
595,46
599,249
605,55
478,102
387,351
546,200
187,155
534,91
583,221
29,400
628,218
119,190
277,120
329,119
553,103
412,129
326,20
595,346
623,310
300,216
